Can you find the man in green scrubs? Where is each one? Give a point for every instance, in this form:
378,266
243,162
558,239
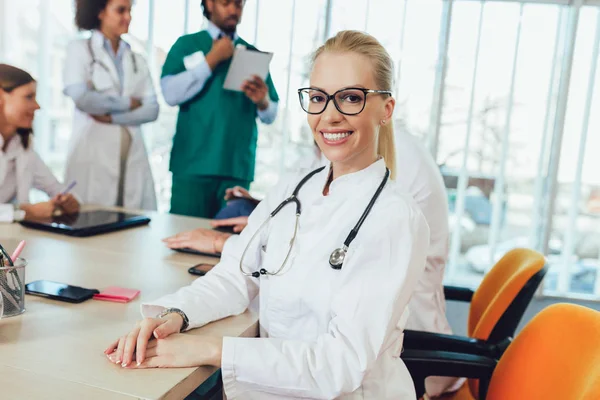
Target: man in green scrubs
214,147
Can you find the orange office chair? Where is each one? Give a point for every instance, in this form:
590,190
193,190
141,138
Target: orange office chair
556,356
497,307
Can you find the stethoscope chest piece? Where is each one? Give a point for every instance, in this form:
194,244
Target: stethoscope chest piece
336,259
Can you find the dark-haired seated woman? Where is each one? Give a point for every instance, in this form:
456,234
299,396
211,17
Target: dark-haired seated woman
21,168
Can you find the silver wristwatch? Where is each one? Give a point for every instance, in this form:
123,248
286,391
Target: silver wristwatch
186,321
18,214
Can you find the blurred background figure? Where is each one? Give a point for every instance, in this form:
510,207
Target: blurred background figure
113,92
21,168
214,147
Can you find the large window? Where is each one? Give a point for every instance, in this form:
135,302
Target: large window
500,65
292,37
34,35
576,215
501,91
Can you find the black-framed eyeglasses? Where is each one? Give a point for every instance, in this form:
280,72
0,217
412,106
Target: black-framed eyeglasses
226,3
348,101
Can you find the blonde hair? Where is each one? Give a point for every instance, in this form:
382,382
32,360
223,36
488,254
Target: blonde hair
383,69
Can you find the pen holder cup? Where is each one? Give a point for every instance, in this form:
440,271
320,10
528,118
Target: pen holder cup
12,289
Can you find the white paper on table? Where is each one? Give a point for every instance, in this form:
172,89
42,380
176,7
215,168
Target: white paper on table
244,64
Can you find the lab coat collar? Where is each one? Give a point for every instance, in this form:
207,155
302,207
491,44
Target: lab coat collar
123,47
103,57
14,146
13,151
214,31
373,172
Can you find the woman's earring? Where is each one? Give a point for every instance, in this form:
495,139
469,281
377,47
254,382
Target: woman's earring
383,122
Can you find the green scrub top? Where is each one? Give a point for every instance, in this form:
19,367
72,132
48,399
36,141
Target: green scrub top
216,130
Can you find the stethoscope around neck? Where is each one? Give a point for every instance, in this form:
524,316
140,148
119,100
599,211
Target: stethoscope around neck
100,63
337,257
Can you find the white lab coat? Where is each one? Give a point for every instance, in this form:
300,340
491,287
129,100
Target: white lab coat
31,172
325,333
419,175
94,149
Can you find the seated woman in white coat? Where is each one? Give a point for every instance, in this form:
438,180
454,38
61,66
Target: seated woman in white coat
333,257
113,93
420,176
21,168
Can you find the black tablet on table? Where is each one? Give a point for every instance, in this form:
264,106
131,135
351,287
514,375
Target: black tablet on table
87,223
187,250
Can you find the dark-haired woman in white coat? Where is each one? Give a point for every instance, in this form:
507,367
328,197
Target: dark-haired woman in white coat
21,168
112,89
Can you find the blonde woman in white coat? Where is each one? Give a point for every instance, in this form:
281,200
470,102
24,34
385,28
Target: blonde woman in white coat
421,178
113,93
325,332
21,168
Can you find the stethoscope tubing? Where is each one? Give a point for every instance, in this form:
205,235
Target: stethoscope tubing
339,253
104,66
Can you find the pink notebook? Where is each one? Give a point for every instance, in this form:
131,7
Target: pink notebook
118,294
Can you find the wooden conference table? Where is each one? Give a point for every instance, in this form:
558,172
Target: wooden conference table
55,349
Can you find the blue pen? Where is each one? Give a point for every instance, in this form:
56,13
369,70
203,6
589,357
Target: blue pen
69,188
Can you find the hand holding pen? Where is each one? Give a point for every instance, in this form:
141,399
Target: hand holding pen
65,201
62,203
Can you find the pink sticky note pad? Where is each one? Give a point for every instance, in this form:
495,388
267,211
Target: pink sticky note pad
118,294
